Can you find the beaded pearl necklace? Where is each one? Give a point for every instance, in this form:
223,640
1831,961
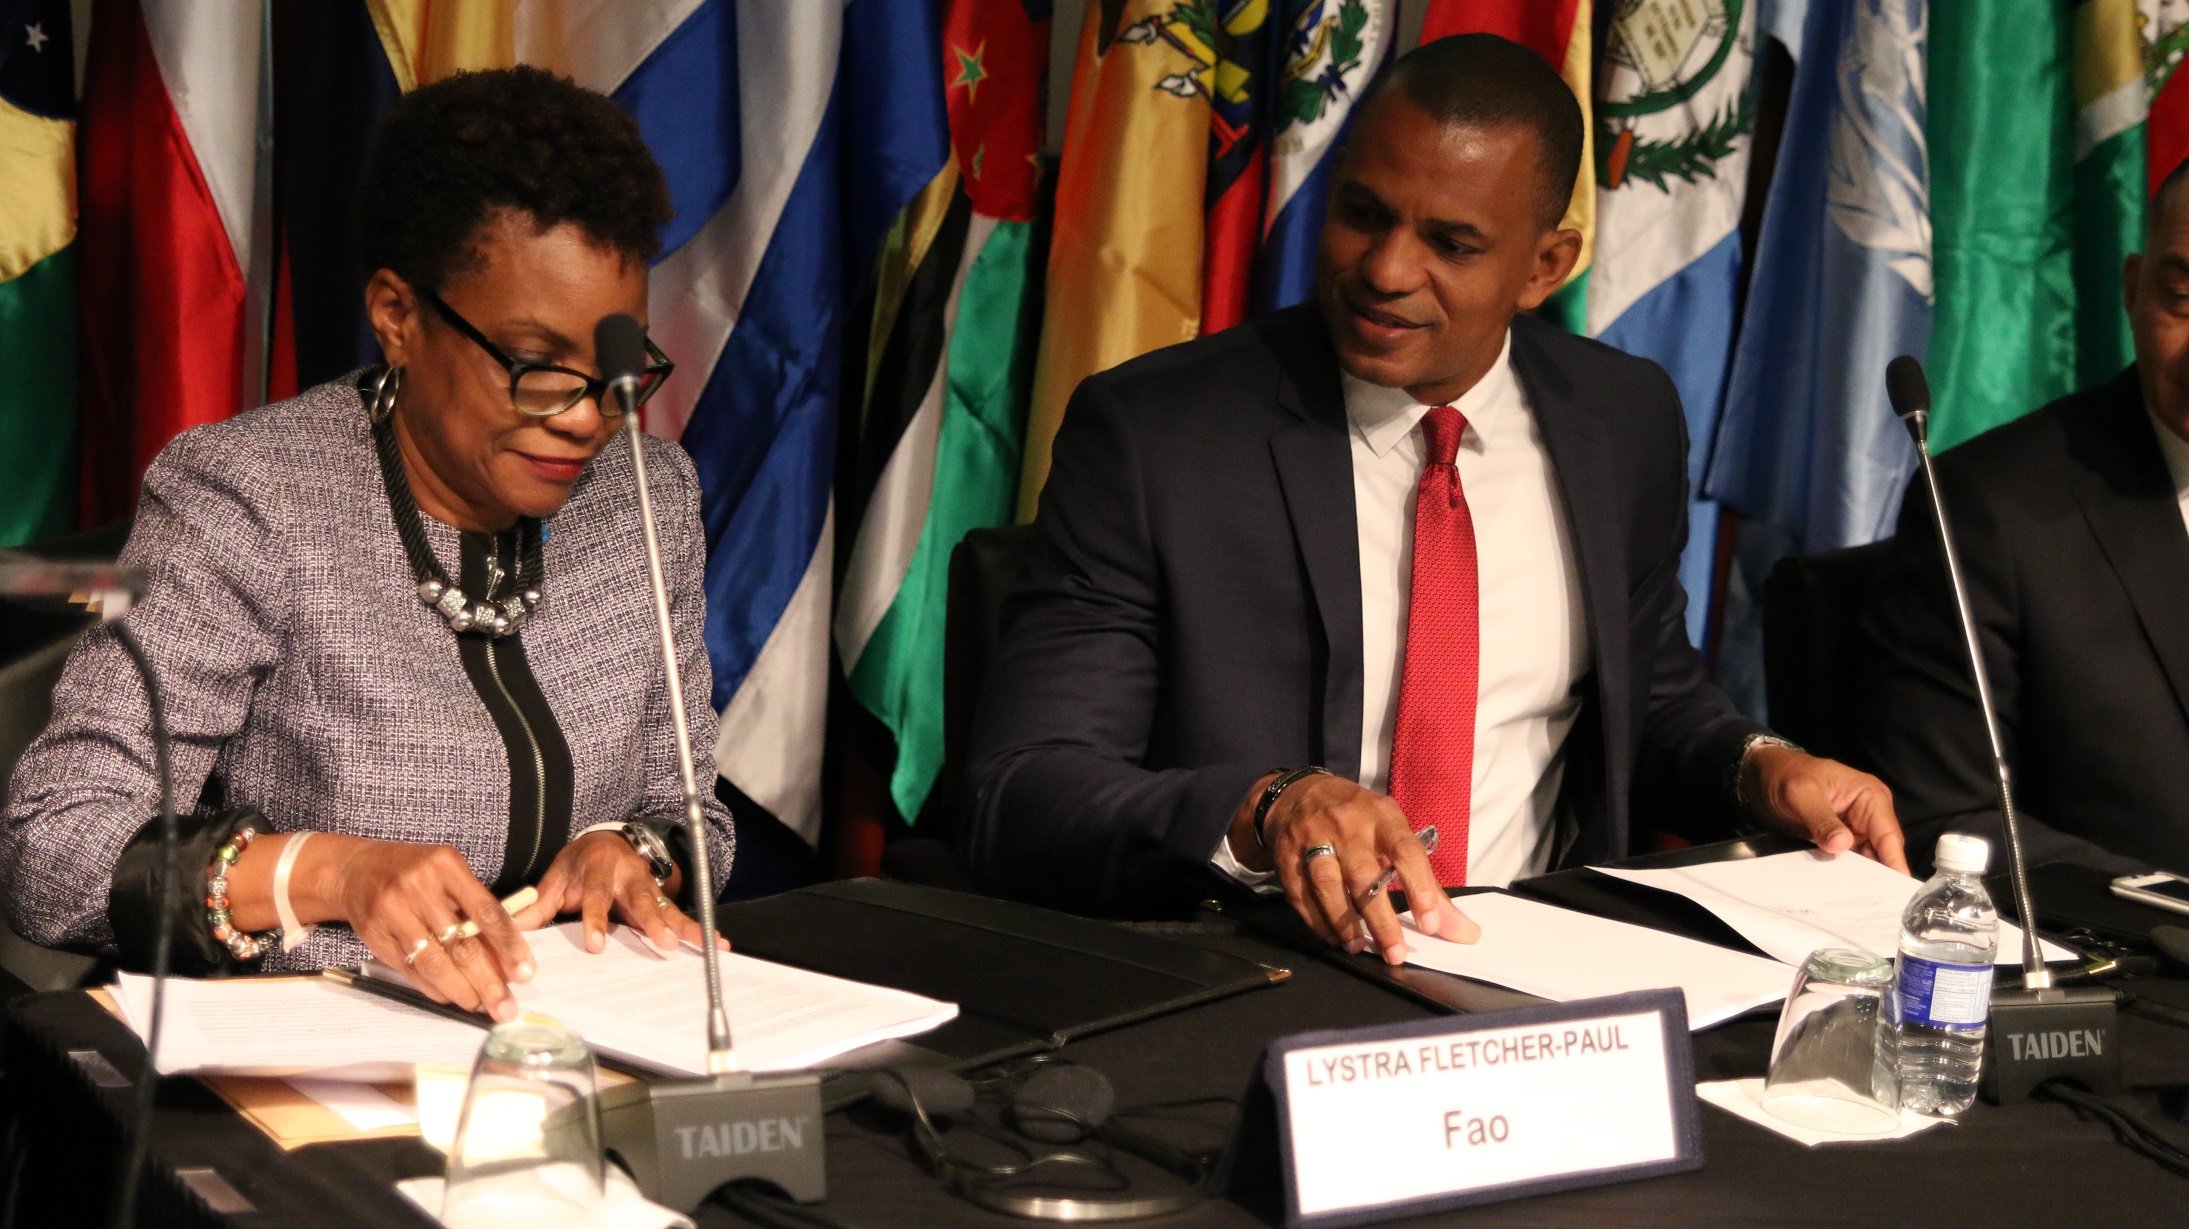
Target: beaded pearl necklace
502,611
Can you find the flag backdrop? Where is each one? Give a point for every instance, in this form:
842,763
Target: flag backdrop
1332,49
168,195
935,449
2038,183
1124,271
1674,116
37,271
1808,451
1247,45
871,336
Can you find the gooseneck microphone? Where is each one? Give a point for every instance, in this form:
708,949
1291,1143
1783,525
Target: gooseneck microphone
1910,394
2024,1021
682,1139
619,346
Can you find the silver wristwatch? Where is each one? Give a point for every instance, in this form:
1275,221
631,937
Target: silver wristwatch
651,847
1740,765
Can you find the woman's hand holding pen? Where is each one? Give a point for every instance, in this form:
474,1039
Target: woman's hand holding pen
411,905
418,907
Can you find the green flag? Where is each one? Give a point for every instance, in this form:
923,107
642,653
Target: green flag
37,277
2036,131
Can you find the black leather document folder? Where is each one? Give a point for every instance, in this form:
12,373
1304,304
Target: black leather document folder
1025,979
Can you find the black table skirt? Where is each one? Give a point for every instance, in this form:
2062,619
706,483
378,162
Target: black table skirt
2031,1164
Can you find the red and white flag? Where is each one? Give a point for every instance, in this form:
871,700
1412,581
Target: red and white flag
171,120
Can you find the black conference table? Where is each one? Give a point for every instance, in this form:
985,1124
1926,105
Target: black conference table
2027,1164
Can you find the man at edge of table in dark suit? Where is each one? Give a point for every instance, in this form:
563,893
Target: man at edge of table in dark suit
1253,597
2069,523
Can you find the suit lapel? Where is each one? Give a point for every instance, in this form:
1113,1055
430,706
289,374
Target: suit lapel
1590,486
1314,463
2128,498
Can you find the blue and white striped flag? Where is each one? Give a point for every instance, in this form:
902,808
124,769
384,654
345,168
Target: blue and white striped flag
788,157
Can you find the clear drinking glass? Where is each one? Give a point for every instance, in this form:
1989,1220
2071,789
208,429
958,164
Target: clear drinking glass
527,1147
1831,1062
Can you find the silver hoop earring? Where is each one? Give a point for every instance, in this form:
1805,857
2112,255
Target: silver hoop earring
384,392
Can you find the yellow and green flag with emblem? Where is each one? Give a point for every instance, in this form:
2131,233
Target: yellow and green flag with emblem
37,271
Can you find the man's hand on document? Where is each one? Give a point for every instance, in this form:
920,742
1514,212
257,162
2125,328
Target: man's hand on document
1836,808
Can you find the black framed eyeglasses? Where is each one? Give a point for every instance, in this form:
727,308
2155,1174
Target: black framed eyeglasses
543,390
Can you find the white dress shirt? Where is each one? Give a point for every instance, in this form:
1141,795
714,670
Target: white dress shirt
1533,637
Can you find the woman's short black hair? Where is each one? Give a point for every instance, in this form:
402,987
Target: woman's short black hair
450,156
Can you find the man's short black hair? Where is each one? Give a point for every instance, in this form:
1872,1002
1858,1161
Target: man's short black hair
1483,81
450,156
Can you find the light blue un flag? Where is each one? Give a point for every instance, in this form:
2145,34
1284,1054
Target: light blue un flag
1809,452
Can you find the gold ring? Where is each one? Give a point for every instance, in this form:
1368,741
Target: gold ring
663,902
416,950
449,933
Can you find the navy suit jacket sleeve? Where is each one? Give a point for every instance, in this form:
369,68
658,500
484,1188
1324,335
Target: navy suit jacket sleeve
1691,733
1062,810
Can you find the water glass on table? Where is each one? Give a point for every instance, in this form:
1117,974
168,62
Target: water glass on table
1831,1060
527,1148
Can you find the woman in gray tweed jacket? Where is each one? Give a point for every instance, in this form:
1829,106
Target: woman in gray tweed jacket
401,622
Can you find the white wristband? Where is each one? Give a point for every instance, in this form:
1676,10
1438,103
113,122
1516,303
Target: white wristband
292,931
613,825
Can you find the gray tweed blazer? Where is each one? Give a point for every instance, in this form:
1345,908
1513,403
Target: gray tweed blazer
297,662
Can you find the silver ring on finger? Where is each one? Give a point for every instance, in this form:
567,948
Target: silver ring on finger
1313,852
416,950
449,933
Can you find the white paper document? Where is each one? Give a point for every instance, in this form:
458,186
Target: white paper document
1562,955
647,1008
292,1026
1791,904
629,1003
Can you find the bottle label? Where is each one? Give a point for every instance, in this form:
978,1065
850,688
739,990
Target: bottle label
1941,995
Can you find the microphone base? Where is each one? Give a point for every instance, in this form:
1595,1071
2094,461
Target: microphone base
681,1139
2039,1035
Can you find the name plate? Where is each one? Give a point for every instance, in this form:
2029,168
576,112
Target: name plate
1401,1119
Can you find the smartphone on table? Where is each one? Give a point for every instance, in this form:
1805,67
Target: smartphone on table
2161,888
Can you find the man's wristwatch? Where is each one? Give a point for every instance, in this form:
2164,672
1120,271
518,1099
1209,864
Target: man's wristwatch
651,847
1740,773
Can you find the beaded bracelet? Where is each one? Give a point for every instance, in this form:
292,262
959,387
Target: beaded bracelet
242,945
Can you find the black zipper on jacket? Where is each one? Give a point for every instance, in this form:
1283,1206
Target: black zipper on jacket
540,772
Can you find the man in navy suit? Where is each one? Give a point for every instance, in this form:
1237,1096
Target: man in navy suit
1400,556
2070,530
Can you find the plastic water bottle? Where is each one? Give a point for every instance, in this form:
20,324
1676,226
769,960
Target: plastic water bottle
1942,994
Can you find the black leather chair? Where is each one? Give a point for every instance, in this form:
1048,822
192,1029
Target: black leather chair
983,568
1813,645
34,643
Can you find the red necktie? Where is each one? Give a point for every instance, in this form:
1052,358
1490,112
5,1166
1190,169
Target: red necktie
1433,755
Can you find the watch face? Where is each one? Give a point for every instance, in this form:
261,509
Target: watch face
651,847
